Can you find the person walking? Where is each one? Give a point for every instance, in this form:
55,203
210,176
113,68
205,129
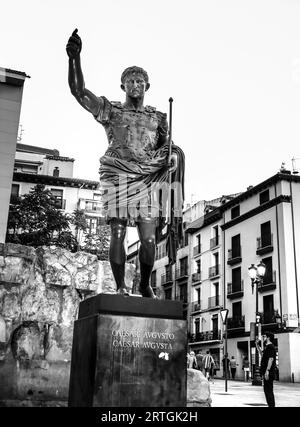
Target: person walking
199,358
233,366
246,368
267,367
227,367
208,361
191,360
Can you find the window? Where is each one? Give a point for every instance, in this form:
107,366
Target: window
236,246
58,196
236,279
92,225
268,278
198,295
265,232
237,309
235,212
153,279
183,266
186,238
15,188
56,172
216,288
168,293
215,326
197,326
198,266
264,197
183,293
268,304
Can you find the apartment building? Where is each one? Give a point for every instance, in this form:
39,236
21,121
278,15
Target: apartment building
11,93
261,224
38,165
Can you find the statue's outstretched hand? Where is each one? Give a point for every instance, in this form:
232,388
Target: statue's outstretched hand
74,45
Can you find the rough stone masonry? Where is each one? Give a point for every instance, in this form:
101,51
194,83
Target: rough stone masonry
40,292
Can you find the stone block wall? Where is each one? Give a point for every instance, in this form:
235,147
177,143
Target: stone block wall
40,292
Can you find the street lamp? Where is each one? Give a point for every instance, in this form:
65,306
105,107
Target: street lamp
224,314
256,275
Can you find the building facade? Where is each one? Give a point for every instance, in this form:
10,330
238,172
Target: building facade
11,92
37,165
212,272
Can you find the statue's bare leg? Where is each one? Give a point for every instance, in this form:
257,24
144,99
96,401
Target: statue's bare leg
117,256
146,230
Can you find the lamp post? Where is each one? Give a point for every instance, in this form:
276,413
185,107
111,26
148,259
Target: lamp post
256,274
224,314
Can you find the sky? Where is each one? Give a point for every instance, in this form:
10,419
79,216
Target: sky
231,66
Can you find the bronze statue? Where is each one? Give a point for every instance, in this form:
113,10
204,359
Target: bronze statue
137,155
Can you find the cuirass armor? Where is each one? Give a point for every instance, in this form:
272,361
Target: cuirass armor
132,135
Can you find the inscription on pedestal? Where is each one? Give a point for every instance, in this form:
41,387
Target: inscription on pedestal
140,362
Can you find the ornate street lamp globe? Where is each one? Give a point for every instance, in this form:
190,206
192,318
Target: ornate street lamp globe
252,270
261,269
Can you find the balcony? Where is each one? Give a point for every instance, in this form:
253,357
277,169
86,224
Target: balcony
196,277
214,301
167,279
181,273
235,290
269,318
264,245
93,206
236,322
214,271
215,241
268,283
234,255
205,336
197,250
236,326
182,298
196,306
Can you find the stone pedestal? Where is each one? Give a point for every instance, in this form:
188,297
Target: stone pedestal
128,351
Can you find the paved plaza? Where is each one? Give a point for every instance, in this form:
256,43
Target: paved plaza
244,394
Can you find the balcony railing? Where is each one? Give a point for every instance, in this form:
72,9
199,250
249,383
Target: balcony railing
196,306
235,290
181,272
206,336
197,250
182,298
268,282
196,277
264,245
214,271
234,255
214,301
166,278
215,241
269,317
236,322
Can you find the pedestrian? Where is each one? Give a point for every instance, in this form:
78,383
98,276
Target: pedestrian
246,368
199,358
191,360
233,366
227,367
208,361
267,367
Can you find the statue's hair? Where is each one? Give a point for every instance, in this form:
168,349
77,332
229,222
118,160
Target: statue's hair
134,69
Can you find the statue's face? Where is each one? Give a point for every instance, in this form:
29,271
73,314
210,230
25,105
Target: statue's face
135,85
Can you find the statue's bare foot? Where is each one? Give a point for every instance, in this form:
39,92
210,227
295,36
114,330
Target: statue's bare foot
147,292
123,291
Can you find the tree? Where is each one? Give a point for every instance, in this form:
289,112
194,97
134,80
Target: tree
35,221
98,243
80,222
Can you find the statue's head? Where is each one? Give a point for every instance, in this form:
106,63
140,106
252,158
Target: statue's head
135,81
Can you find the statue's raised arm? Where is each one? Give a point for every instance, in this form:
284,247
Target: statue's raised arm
76,81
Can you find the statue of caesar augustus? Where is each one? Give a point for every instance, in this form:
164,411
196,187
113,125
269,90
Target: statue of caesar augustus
134,169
